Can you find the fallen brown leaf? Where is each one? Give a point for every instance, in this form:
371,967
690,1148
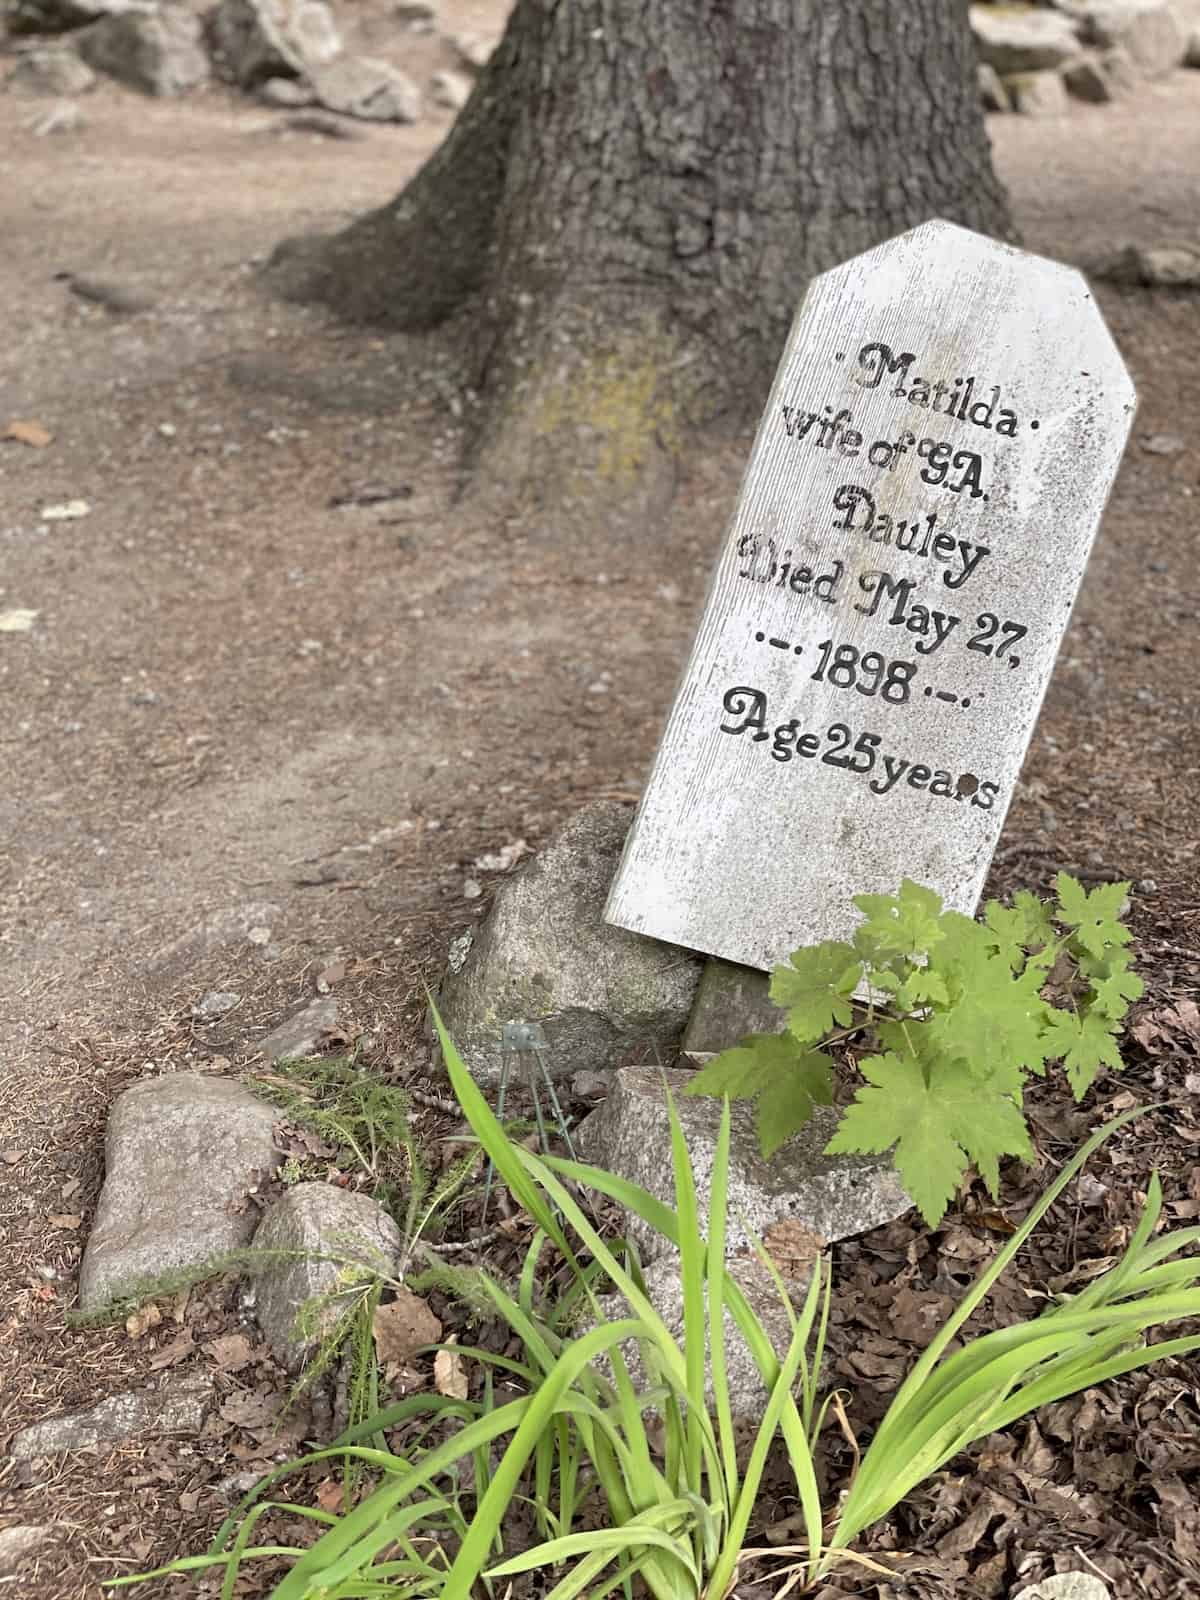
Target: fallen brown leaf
402,1326
142,1321
30,433
180,1347
449,1374
231,1352
331,1495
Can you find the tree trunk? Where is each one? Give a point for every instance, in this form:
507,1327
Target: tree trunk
623,221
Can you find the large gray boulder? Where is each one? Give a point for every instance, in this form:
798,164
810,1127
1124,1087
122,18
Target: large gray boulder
59,16
1149,31
158,52
257,40
1038,94
175,1405
545,955
184,1157
1023,38
310,1221
375,91
833,1197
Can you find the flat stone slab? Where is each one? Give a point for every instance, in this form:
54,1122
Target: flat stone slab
834,1197
300,1036
887,606
184,1155
178,1407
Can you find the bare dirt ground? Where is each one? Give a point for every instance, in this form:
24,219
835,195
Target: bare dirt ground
244,704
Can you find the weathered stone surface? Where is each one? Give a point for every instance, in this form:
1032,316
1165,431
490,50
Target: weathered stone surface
20,1542
1023,38
58,70
358,86
301,1034
1147,30
545,955
1038,94
991,89
177,1407
823,743
184,1154
288,92
833,1196
451,89
159,52
1086,79
731,1002
664,1286
474,50
1163,266
257,40
220,930
216,1003
60,16
1120,71
320,1218
1067,1586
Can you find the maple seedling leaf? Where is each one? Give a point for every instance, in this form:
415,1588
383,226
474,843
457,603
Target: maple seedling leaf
787,1080
1014,930
938,1124
906,924
813,988
1114,987
996,1023
1095,917
1085,1044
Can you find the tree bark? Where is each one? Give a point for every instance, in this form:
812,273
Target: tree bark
623,221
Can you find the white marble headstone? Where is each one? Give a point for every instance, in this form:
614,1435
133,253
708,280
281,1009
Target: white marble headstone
885,613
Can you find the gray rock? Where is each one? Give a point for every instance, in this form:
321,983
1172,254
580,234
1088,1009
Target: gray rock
450,89
257,40
1023,39
1067,1586
1120,71
159,52
1164,266
991,89
320,1218
178,1407
474,50
289,92
184,1155
20,1542
664,1287
731,1002
300,1035
1038,94
358,86
1086,79
119,298
832,1196
60,16
214,1004
1147,30
545,955
58,70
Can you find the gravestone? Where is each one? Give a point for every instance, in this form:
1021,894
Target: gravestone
886,610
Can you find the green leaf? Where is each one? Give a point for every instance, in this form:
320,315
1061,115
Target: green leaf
937,1127
1095,916
812,988
1114,986
1014,930
1085,1044
996,1021
906,924
787,1079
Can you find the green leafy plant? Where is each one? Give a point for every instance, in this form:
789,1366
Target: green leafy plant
677,1511
960,1013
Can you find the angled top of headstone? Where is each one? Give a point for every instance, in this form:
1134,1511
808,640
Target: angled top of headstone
886,609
